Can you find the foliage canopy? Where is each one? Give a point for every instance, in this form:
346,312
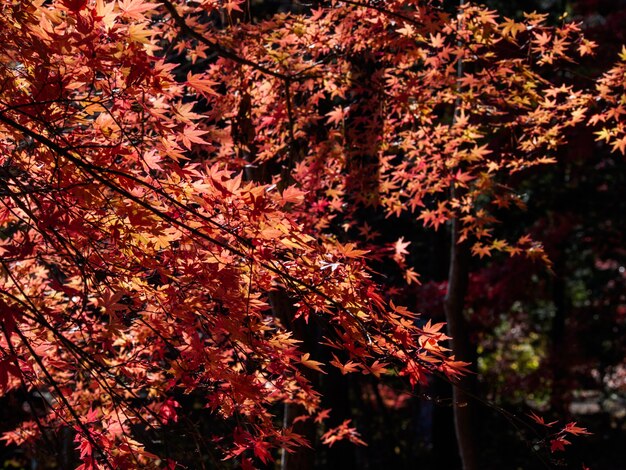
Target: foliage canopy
169,171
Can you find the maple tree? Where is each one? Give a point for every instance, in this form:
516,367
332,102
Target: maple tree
165,182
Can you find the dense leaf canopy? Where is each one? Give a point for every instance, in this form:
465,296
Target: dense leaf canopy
171,173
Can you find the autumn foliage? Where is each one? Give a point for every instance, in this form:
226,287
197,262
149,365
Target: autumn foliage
168,170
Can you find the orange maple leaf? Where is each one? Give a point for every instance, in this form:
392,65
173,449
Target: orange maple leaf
191,135
571,428
311,364
346,368
539,420
136,8
204,85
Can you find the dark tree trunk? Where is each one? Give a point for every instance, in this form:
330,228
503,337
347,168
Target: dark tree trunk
559,399
462,348
302,458
461,345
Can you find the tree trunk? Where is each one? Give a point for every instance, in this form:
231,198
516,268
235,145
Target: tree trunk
559,397
461,346
302,458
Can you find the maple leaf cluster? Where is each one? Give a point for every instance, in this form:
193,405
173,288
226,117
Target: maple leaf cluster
145,227
371,107
558,439
137,266
612,95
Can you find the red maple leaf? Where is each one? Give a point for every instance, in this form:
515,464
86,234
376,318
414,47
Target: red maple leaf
558,444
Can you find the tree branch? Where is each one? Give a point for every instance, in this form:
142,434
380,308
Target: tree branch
219,49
